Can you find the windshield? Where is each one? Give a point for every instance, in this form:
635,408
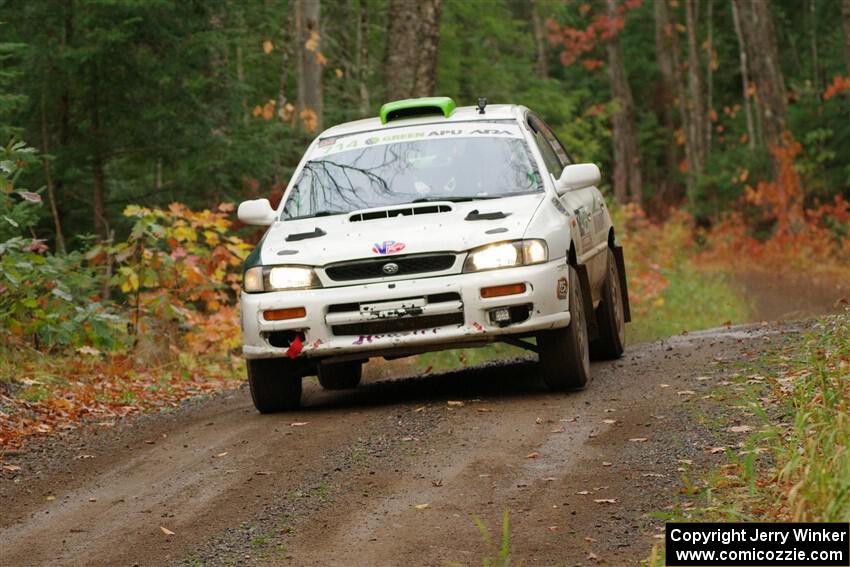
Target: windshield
453,168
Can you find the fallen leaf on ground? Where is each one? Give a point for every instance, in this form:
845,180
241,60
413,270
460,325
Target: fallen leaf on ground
550,479
638,439
422,506
605,500
570,419
609,421
703,378
533,455
606,464
685,462
437,483
298,423
583,492
590,539
740,428
222,454
419,409
653,474
166,531
51,497
664,385
538,421
715,450
557,430
455,403
92,499
483,410
552,529
686,392
11,468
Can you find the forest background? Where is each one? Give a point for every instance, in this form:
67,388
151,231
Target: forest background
130,128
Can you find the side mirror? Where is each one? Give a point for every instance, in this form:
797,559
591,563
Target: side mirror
578,176
257,212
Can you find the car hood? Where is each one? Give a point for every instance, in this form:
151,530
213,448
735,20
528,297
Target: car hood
325,240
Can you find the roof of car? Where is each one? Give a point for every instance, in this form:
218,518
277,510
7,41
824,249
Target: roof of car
460,114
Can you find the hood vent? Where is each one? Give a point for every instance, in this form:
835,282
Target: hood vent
407,211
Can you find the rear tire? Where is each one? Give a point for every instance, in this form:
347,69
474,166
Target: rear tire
275,384
564,353
340,375
610,317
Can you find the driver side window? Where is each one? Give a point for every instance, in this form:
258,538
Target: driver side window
550,157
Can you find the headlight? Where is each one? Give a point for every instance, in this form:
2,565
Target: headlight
279,278
506,255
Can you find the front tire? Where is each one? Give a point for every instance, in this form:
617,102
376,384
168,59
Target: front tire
610,317
275,384
564,353
340,375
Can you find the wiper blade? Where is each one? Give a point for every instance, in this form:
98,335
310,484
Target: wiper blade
318,214
454,199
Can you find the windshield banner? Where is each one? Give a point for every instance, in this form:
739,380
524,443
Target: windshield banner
329,146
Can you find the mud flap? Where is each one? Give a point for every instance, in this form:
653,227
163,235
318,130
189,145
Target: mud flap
624,288
587,298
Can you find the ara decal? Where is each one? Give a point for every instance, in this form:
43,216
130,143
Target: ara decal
387,247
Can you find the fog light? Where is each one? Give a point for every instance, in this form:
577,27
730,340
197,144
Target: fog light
502,290
502,315
284,314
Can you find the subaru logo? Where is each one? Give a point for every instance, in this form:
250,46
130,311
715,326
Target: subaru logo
390,268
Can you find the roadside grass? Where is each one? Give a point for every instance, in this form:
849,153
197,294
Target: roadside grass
693,300
499,553
795,464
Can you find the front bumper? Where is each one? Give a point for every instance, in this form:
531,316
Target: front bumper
334,326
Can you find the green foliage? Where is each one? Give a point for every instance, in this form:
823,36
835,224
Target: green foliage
50,299
693,300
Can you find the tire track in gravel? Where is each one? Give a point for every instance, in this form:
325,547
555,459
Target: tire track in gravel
343,489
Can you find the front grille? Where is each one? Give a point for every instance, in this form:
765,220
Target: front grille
374,267
402,324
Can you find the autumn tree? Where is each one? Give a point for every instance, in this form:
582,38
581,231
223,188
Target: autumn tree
413,35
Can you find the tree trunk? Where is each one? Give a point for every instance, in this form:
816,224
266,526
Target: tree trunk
760,43
363,57
48,177
539,40
695,88
627,175
745,74
813,40
845,18
709,71
666,98
308,49
240,77
101,226
413,34
672,46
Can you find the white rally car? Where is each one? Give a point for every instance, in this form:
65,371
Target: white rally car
431,227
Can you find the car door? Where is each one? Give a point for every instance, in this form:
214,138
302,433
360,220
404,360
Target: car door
586,204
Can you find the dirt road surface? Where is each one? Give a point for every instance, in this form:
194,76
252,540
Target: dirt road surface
393,473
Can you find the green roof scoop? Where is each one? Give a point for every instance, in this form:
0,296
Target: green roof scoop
417,107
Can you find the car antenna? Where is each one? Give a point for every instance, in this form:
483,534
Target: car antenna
482,103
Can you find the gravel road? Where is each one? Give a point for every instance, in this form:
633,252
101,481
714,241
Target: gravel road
393,473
